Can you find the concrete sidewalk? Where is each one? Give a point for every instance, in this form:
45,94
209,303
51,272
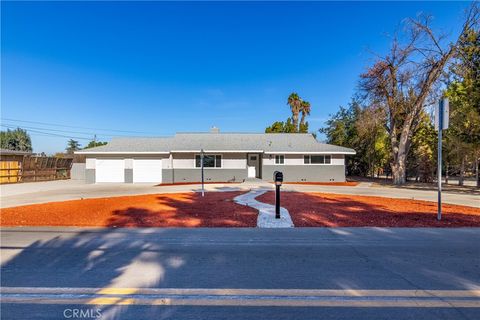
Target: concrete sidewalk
42,192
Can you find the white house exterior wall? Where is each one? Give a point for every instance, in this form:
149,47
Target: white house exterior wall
297,160
180,167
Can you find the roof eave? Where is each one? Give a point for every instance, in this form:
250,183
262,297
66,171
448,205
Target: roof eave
219,151
310,152
122,152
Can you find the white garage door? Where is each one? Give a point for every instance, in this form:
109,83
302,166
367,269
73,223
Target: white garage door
110,170
147,170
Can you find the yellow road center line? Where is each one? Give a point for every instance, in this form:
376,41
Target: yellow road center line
117,291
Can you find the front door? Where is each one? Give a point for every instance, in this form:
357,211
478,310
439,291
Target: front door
253,164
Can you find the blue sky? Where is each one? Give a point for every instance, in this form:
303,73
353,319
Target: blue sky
156,68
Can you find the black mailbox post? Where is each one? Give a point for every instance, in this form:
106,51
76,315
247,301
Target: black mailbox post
278,179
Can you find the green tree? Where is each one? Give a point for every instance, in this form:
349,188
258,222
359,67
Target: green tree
281,127
405,79
421,159
463,136
360,128
18,140
72,146
371,139
93,144
340,128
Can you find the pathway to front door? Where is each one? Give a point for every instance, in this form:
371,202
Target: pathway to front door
266,212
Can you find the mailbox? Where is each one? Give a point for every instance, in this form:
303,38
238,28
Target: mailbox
278,178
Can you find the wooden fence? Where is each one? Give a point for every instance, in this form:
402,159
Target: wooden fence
27,168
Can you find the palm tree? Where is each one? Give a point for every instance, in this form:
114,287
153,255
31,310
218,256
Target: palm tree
295,103
305,112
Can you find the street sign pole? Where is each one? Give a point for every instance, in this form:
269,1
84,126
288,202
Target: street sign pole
201,165
439,159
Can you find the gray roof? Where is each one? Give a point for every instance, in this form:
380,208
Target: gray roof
211,142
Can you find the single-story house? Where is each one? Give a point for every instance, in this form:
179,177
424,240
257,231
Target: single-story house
228,157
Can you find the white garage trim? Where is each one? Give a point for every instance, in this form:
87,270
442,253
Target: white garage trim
147,170
110,170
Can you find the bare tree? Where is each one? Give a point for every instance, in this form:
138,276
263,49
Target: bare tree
403,81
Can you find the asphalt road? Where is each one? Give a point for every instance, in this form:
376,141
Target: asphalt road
344,273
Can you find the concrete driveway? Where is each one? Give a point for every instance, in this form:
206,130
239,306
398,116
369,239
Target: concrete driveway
42,192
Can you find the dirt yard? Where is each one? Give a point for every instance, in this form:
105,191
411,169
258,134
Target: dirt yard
331,210
216,209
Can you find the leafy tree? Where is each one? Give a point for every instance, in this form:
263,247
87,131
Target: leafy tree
281,127
405,78
421,160
340,128
360,128
463,136
93,144
371,139
72,146
18,140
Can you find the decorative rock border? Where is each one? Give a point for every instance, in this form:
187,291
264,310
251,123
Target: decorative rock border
266,212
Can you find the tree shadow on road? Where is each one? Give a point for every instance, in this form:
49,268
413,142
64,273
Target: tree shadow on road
125,254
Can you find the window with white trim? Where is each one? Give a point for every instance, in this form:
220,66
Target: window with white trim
317,159
279,159
209,161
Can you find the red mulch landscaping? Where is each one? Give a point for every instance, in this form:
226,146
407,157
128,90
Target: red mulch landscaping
216,209
190,183
339,184
334,210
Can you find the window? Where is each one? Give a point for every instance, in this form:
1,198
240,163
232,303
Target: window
279,159
209,161
317,159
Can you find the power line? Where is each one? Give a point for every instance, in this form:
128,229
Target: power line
65,131
78,127
48,133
